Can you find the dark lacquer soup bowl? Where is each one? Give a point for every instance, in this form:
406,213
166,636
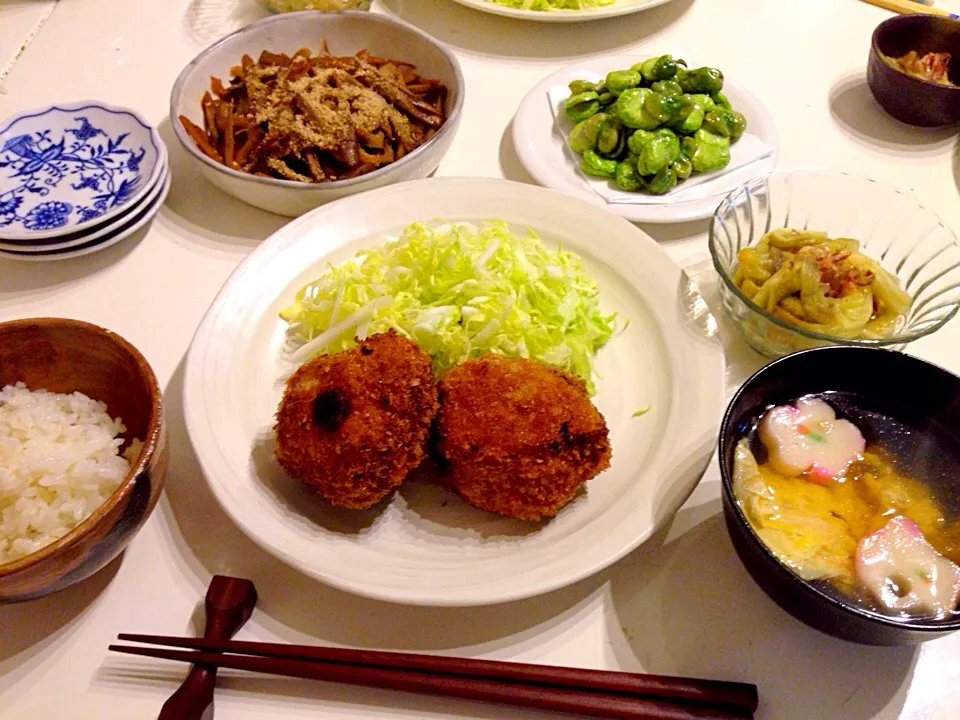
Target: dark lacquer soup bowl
906,406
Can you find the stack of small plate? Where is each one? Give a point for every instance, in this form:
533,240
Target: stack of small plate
77,178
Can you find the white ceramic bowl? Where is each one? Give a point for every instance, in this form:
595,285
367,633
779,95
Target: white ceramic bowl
346,33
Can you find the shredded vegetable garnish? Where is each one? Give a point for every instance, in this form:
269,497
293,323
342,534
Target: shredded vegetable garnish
554,4
458,291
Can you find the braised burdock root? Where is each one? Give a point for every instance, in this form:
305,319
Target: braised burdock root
317,118
519,437
354,424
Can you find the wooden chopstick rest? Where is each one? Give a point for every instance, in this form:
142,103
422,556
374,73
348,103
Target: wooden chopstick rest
228,605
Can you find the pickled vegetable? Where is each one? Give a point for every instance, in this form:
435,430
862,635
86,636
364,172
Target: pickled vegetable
821,284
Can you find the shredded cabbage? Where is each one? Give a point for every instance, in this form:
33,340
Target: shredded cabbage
458,291
554,4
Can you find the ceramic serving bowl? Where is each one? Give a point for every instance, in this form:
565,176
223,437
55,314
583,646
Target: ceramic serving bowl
69,168
924,398
907,98
346,33
892,227
67,356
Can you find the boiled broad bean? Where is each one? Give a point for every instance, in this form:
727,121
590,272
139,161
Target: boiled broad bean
586,132
582,105
593,164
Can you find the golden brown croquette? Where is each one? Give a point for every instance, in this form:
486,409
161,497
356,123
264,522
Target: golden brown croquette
518,437
354,424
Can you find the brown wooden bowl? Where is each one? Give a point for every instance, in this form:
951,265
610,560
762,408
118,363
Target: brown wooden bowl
72,356
907,98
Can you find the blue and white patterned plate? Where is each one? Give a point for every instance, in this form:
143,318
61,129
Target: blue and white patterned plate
62,242
67,168
140,218
90,230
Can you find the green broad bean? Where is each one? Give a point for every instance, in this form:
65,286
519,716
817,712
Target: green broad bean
664,181
653,125
722,101
667,87
702,80
582,86
612,138
638,141
627,177
707,151
631,109
740,126
663,67
682,167
659,152
585,133
582,105
704,100
728,123
663,107
620,80
690,116
593,164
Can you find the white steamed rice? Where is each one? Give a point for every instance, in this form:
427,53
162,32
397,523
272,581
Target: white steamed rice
59,461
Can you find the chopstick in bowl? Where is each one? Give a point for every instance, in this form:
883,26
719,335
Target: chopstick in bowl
629,696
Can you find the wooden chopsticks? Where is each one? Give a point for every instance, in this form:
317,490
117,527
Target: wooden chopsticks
595,693
909,7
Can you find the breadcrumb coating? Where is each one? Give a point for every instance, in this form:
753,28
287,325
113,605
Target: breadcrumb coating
354,424
518,437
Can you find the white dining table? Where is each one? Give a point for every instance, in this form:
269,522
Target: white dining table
680,604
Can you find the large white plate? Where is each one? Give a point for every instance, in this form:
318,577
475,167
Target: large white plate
542,149
620,7
426,546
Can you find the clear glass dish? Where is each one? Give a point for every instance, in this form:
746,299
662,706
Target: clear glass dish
328,5
893,228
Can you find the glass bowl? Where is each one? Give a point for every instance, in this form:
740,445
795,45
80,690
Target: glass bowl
328,5
893,228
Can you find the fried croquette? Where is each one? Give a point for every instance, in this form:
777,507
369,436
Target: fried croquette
518,437
353,424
